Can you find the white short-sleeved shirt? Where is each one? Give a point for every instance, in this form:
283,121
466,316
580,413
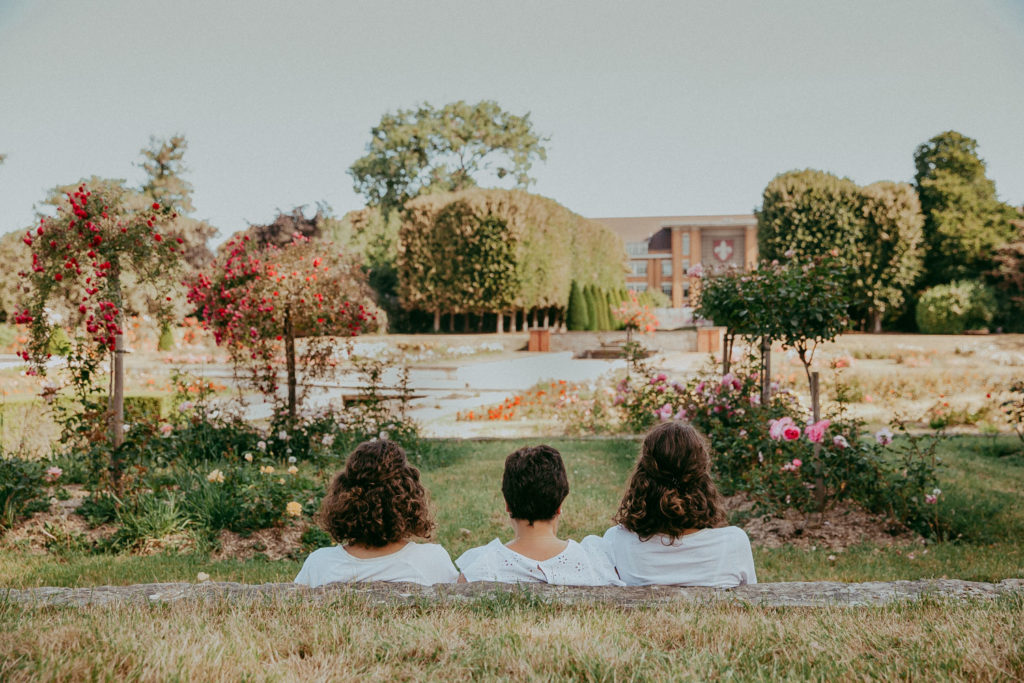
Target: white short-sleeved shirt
710,557
580,564
424,563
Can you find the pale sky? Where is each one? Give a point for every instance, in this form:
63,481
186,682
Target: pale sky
653,108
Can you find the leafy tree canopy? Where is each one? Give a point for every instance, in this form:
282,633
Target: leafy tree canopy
964,220
165,185
427,150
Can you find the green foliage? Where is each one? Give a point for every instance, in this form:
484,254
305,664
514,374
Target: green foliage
149,517
58,344
955,307
593,319
165,184
964,220
1013,407
22,489
166,342
1008,278
578,317
428,150
779,472
890,259
486,251
873,232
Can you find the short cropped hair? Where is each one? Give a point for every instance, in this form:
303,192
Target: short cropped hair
534,483
377,499
671,489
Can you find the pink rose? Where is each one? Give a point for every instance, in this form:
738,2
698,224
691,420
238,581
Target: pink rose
791,433
775,427
816,432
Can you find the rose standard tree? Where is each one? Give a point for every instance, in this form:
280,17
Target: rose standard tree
260,298
104,240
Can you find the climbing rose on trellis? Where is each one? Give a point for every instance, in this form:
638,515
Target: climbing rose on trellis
259,299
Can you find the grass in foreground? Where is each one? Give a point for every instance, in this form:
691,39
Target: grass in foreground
512,636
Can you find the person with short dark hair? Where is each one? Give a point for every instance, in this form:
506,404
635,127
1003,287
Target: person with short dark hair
671,523
373,509
534,486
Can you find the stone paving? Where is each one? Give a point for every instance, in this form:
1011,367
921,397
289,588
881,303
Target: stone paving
790,594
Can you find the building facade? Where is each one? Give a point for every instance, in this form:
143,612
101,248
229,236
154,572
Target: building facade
662,249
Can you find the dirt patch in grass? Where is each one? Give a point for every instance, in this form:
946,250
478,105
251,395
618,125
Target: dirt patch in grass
56,528
845,525
275,543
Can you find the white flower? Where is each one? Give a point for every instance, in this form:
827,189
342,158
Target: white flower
292,460
282,435
936,492
383,436
839,441
328,440
884,436
248,457
262,445
215,477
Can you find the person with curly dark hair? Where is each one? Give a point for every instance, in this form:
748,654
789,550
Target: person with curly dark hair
671,523
534,486
373,509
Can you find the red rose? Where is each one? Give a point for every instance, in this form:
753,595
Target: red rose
155,206
58,277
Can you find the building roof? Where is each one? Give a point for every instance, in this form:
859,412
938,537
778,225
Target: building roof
638,228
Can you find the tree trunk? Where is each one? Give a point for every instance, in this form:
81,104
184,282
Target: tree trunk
876,321
545,318
437,321
289,354
501,322
819,477
726,352
766,370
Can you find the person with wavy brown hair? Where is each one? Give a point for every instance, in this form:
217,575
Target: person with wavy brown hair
671,527
373,509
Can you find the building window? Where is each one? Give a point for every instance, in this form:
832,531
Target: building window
638,267
666,268
636,248
637,286
666,289
685,266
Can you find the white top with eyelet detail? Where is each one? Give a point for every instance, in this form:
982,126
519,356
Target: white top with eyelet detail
580,564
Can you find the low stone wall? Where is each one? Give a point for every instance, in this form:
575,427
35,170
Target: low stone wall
792,594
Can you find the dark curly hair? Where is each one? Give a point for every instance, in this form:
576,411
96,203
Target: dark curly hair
534,483
671,489
377,499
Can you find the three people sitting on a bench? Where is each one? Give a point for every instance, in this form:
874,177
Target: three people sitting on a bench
670,527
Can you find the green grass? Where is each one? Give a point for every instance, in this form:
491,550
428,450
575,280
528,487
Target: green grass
512,637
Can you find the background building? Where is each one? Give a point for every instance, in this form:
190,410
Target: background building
662,249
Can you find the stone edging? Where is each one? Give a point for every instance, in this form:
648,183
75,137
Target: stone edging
791,594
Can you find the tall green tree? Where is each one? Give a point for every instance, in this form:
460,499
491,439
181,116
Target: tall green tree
577,316
165,184
965,223
891,248
873,234
427,150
